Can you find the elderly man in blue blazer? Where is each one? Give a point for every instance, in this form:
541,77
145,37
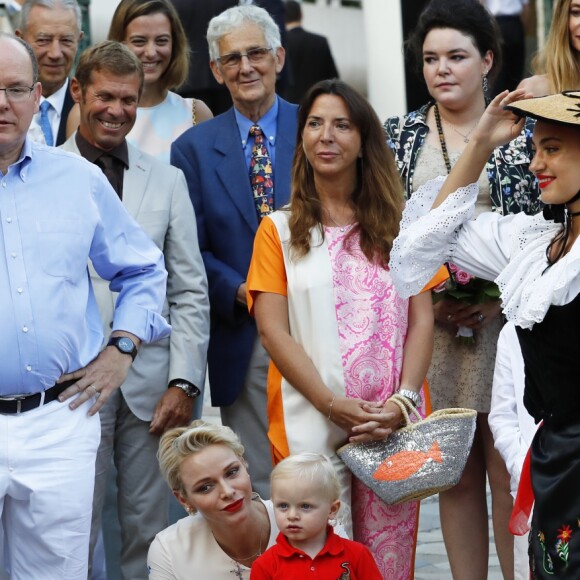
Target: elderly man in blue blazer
235,177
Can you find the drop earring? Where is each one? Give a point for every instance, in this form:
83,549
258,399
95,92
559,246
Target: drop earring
485,85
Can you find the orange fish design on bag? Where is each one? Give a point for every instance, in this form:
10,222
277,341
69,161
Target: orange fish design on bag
404,464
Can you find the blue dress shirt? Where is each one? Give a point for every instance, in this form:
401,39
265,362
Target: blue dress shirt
269,124
57,211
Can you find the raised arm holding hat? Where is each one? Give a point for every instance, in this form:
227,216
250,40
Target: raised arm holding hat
535,261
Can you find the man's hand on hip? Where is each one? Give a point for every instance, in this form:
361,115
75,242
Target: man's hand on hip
100,378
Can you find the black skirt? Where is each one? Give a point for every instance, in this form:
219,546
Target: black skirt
555,474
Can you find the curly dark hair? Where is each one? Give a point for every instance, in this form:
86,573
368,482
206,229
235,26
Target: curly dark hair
469,17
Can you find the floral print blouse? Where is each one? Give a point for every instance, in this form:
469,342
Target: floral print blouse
512,187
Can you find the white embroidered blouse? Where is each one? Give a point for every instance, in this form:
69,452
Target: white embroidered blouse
508,249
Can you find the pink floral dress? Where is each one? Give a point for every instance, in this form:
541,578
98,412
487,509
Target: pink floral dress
372,326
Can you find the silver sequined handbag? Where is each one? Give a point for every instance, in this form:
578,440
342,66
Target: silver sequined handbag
421,459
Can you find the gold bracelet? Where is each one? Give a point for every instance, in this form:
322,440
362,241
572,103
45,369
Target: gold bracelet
330,408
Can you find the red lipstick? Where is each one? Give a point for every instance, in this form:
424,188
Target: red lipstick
544,180
235,506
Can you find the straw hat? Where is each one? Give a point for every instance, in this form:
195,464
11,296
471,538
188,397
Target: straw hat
563,108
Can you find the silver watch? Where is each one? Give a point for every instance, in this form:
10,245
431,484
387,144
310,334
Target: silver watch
190,390
414,397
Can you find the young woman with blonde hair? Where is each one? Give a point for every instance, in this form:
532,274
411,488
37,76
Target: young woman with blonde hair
558,64
229,525
151,29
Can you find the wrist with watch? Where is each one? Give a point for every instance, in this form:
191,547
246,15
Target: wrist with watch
124,344
127,346
413,396
188,388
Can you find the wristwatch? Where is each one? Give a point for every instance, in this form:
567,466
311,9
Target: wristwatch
188,388
124,344
414,397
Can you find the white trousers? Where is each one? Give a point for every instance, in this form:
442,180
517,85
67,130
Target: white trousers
47,471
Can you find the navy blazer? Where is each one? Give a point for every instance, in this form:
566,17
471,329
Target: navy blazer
212,158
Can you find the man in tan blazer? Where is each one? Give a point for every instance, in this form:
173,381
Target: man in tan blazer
166,376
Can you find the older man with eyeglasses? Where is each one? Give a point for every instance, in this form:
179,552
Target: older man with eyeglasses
58,211
237,167
53,30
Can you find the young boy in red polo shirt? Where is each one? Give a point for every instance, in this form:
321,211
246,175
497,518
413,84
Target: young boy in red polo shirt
305,492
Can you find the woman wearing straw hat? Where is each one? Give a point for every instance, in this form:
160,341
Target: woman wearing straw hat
535,260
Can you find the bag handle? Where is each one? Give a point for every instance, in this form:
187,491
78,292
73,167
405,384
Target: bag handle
405,405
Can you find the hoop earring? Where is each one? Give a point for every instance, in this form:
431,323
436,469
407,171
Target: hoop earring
485,85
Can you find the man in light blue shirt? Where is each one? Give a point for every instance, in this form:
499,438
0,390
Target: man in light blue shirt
56,212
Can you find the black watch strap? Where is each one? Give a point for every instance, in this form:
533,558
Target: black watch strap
124,344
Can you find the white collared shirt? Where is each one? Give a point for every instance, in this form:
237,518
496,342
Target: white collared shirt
54,115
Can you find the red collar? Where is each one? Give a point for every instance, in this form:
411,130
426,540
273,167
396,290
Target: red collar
332,546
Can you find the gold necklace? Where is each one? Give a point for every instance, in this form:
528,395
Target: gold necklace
464,135
259,552
342,227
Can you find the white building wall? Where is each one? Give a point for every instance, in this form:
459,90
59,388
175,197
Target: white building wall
101,13
385,63
366,45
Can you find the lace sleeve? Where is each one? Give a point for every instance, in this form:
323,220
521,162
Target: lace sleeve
428,238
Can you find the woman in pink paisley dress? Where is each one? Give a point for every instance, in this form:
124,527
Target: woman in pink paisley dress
341,340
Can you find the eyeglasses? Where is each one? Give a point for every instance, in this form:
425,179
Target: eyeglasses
234,59
17,94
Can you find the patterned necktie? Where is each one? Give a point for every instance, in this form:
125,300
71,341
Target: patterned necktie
44,122
261,174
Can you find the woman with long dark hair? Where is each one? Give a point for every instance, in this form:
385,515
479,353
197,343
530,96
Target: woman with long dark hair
340,339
